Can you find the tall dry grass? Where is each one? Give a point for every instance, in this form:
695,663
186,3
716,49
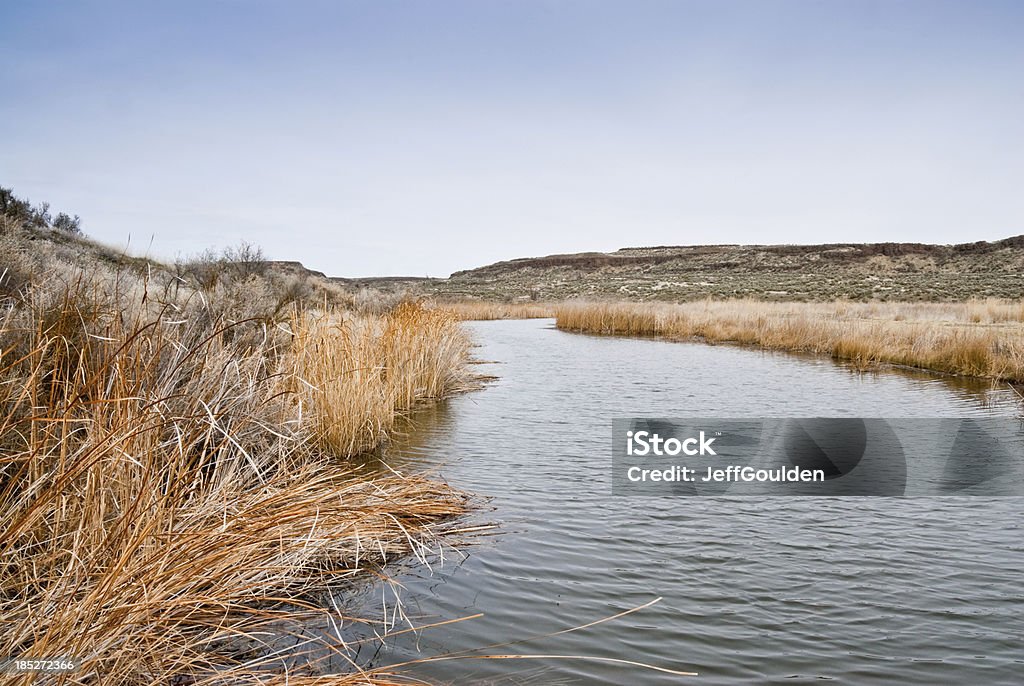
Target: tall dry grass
979,338
481,310
173,481
356,372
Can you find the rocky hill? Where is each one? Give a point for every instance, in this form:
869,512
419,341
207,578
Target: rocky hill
889,271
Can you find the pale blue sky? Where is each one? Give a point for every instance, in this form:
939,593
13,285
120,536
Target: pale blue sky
425,137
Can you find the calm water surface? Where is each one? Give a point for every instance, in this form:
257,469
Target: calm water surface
855,590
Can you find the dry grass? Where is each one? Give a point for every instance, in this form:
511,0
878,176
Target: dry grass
975,338
482,310
355,372
169,477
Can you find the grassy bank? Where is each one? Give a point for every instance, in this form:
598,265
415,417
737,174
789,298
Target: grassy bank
480,310
975,338
173,479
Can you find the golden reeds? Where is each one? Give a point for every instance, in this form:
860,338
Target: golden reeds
976,338
160,496
355,372
486,310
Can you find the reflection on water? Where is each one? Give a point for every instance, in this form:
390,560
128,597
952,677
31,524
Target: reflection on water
758,589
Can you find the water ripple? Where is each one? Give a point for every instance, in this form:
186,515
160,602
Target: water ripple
866,591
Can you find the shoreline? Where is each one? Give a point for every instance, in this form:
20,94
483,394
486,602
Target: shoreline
178,453
952,347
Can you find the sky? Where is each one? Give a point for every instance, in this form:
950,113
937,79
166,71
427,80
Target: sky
420,138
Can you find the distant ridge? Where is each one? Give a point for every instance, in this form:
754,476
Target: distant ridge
855,271
843,252
859,271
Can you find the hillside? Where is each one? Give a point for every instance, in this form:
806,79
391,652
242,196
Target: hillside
886,271
855,271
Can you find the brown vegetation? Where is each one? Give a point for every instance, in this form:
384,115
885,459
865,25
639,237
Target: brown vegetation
484,310
355,372
977,338
173,473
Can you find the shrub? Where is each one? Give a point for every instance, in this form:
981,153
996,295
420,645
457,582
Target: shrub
237,263
14,207
245,260
40,216
68,224
21,213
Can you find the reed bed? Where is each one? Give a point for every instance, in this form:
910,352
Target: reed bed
975,338
357,372
173,483
479,310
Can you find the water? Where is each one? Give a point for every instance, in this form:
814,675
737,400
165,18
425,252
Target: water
858,590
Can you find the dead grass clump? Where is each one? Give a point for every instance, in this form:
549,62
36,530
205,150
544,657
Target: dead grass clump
353,373
978,338
480,310
160,497
610,319
425,351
